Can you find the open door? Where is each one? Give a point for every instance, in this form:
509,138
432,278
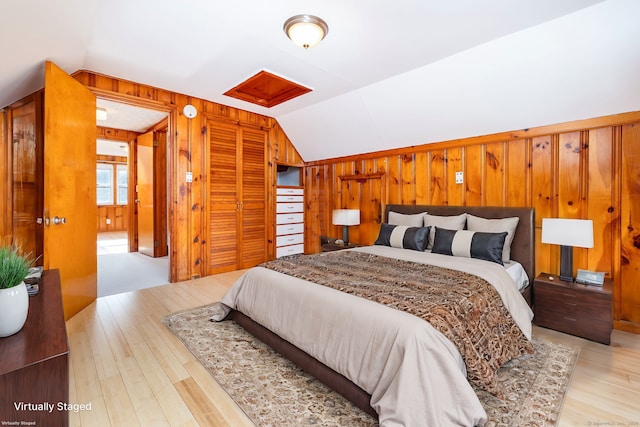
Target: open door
145,188
70,211
151,196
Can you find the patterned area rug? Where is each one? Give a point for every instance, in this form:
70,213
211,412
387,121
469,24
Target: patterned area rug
274,392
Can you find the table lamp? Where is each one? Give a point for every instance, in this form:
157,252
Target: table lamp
567,233
345,218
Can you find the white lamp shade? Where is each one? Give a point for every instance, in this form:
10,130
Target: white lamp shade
346,217
568,232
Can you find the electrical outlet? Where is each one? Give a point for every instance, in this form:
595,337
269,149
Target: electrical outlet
108,221
459,177
189,177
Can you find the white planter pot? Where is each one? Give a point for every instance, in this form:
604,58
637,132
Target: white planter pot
14,306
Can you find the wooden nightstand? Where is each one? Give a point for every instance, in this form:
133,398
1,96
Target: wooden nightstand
581,310
328,247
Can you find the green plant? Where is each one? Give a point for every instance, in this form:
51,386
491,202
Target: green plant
13,267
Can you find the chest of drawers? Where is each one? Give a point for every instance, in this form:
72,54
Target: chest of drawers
576,309
289,221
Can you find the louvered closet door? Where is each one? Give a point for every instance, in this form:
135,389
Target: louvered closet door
223,198
253,201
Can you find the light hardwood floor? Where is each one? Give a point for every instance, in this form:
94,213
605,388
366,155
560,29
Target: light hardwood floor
133,371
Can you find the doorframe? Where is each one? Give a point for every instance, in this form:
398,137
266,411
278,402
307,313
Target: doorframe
171,155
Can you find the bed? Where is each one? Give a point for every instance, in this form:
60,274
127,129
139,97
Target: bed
390,363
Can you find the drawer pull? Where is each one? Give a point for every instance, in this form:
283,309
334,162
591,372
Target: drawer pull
569,295
569,319
572,304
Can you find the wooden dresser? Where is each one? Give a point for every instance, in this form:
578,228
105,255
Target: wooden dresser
581,310
34,363
289,221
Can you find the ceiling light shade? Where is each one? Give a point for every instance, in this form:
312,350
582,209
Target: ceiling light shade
101,113
306,30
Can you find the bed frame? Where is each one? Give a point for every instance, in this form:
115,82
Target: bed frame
522,250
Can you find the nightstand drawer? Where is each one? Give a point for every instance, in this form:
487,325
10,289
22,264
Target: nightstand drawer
574,303
583,325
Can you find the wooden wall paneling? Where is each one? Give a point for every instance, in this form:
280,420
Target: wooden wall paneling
454,163
494,174
543,198
630,214
474,169
5,177
409,180
437,183
394,179
196,239
571,174
314,178
601,204
421,170
518,172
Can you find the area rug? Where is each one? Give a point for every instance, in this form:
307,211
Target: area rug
273,392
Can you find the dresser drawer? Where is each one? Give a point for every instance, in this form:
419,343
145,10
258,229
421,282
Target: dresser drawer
289,250
289,207
582,325
289,229
290,191
285,199
290,239
289,218
574,303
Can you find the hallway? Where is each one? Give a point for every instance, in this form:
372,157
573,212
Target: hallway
122,271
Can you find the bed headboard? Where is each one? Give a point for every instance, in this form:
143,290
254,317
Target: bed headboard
523,246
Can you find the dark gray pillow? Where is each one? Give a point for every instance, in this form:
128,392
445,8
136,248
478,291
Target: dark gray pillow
469,244
403,236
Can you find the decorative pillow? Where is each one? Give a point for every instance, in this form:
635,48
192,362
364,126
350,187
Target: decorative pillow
403,236
412,220
455,222
470,244
476,223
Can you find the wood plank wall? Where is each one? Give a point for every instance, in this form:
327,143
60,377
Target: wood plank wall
188,147
571,170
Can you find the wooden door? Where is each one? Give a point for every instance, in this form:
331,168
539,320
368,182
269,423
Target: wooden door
144,196
253,230
70,187
223,198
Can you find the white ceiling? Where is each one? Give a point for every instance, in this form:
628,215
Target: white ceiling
389,74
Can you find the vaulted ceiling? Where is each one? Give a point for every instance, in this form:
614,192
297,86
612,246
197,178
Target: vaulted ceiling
388,74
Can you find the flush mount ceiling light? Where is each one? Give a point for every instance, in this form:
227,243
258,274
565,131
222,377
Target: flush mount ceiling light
101,113
305,30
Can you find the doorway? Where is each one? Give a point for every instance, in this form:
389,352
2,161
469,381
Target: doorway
126,163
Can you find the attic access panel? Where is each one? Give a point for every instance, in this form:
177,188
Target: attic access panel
267,90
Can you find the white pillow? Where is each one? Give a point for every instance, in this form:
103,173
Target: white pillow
455,222
476,223
412,220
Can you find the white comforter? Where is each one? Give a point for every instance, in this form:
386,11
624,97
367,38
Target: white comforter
416,376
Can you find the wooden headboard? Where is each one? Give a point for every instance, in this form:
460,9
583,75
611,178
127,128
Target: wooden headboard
523,246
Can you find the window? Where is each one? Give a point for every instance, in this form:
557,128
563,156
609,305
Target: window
112,184
104,175
122,184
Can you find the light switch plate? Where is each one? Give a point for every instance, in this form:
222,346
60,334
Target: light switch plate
189,177
459,177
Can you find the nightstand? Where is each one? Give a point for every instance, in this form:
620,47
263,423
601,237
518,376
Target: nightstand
576,309
328,247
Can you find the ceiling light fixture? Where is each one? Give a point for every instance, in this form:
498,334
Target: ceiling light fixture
305,30
101,113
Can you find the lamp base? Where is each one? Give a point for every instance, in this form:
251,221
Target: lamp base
566,263
345,234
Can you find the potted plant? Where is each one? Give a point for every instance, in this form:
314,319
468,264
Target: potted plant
14,299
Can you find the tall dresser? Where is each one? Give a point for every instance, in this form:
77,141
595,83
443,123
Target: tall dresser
289,221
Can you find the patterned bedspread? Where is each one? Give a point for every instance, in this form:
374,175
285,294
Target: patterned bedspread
463,307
